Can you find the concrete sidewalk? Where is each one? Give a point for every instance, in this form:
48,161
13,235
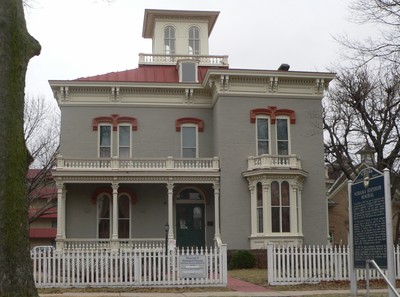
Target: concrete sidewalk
215,294
239,289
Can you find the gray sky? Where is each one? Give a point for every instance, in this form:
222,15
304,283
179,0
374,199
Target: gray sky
88,37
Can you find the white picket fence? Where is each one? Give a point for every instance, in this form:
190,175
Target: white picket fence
290,265
135,267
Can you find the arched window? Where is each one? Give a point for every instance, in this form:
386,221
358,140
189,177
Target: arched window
190,194
169,40
280,206
260,209
124,207
104,201
104,215
194,41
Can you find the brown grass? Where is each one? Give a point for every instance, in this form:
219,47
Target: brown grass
256,276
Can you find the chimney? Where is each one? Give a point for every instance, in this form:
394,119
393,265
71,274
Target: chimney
284,67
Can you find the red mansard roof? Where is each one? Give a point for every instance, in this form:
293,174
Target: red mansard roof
146,74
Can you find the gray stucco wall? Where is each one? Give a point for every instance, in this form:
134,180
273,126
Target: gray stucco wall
155,135
235,140
228,134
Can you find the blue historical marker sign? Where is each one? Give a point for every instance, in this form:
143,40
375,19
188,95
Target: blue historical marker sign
369,218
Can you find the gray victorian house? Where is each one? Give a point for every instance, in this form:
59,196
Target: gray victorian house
186,145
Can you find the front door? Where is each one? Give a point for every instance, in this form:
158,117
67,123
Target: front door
190,229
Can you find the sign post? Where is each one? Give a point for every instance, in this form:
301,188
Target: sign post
370,224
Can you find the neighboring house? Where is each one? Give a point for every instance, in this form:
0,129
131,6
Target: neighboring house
42,231
219,154
338,204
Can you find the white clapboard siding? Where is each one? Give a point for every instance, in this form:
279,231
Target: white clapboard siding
126,268
289,265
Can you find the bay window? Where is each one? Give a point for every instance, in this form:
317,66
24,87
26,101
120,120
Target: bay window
260,209
280,206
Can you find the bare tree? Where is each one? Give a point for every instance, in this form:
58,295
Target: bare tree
363,108
385,14
41,130
42,193
17,47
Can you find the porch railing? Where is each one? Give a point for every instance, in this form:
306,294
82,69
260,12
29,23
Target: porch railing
274,162
137,164
106,244
154,59
137,267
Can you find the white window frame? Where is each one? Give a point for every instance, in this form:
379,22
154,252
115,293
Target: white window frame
294,204
193,50
98,214
260,221
281,207
196,138
130,213
99,139
130,139
269,134
170,40
288,132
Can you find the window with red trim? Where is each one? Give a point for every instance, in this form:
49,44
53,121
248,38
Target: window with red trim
279,136
122,127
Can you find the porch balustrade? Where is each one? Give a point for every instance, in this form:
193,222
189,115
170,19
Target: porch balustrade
106,244
274,162
136,164
153,59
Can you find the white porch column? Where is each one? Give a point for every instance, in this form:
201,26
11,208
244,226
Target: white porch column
115,210
170,187
217,235
61,196
253,207
266,202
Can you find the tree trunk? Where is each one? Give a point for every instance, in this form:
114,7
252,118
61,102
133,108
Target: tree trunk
17,47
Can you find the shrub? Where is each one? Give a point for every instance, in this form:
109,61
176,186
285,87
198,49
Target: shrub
242,260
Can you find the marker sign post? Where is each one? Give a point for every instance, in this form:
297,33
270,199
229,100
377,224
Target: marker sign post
370,223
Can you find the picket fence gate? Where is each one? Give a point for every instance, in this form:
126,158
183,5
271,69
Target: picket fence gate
291,265
127,268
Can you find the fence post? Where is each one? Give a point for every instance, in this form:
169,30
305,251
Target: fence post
270,263
224,259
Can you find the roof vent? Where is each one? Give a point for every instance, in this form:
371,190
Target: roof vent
284,67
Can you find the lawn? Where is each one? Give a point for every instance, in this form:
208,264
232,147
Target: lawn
256,276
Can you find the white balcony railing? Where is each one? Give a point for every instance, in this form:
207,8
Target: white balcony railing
152,59
274,162
136,164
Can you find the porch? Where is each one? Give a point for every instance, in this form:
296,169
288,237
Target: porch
141,196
